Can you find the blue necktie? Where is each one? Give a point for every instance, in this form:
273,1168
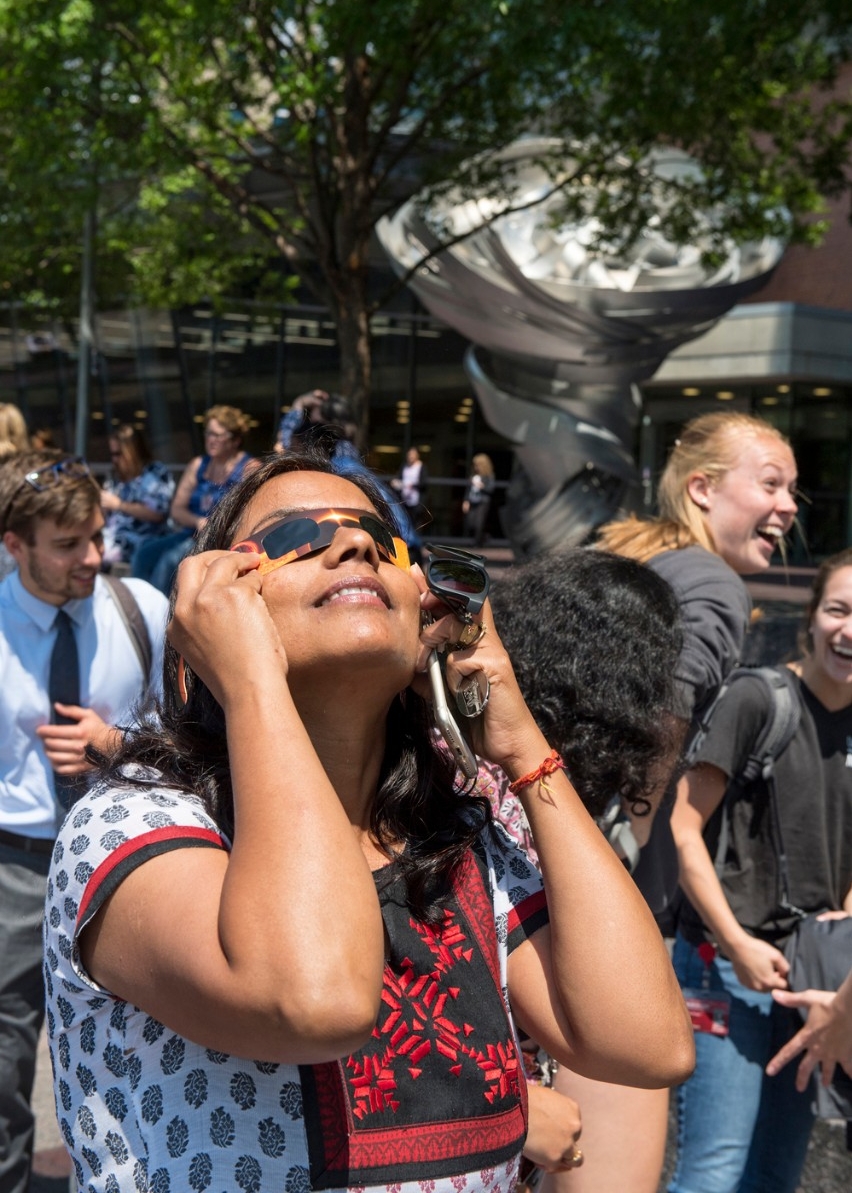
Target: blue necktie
64,685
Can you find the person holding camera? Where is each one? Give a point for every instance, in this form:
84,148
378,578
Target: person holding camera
324,422
319,419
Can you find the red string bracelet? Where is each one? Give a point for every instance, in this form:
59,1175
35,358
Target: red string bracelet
553,762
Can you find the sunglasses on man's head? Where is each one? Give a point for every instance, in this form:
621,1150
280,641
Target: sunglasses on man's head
71,469
309,531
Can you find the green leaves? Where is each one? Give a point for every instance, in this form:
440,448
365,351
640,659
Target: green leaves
223,142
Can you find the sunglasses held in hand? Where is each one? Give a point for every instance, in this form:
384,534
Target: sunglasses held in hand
459,579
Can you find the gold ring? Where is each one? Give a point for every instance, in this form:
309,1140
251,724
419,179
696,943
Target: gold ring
470,634
575,1156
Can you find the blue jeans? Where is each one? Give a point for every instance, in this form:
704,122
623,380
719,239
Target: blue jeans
739,1131
157,560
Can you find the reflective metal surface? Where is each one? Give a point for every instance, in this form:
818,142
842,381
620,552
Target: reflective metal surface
562,329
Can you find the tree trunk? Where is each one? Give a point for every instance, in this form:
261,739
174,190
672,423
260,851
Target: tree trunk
352,317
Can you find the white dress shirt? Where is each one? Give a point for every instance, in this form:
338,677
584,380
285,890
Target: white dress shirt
111,684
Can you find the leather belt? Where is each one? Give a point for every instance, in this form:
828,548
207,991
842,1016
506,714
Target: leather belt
27,844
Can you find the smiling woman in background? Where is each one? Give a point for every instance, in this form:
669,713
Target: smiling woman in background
739,1130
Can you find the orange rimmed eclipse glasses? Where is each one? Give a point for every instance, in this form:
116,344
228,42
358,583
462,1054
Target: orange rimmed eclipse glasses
308,531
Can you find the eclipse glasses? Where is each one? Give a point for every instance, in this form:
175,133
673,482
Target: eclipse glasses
309,531
456,577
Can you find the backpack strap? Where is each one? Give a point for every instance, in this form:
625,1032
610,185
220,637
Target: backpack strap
134,622
782,720
784,714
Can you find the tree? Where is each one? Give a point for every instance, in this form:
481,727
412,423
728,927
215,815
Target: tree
221,141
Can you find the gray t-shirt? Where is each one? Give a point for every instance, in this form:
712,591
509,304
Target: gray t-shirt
715,609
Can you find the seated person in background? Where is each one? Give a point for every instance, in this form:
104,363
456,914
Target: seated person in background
136,498
204,483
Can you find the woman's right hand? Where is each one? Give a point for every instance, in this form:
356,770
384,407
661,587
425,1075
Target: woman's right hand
759,965
221,625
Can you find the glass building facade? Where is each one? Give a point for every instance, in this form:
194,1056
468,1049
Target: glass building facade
162,370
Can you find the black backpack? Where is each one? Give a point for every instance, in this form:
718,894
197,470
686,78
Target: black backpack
775,735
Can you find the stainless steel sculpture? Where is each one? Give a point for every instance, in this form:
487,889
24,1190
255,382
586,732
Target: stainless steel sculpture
561,332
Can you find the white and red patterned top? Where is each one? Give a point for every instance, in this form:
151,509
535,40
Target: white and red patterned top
434,1103
493,782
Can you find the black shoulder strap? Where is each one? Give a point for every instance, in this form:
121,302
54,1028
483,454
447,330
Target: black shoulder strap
782,719
133,620
782,723
778,729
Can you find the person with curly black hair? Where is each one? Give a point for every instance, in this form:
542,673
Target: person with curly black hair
594,640
284,951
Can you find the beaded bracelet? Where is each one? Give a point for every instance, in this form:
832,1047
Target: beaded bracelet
553,762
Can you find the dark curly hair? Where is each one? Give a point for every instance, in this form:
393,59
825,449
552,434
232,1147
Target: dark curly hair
416,801
594,639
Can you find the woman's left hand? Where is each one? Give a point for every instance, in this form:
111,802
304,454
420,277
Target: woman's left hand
554,1128
498,734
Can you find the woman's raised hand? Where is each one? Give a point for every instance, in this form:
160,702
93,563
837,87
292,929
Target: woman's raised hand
499,733
221,625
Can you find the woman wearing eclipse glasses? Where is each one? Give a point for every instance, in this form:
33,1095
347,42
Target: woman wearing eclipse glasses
281,947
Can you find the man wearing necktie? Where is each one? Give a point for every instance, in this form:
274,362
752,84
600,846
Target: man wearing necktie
72,676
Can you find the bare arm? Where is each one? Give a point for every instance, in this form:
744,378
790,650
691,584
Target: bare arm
758,965
596,987
180,510
274,951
